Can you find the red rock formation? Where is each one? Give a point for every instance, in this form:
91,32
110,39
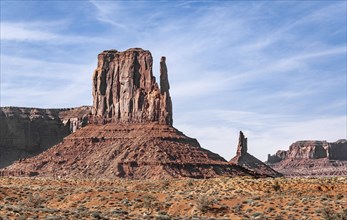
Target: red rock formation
125,90
135,151
248,161
25,132
135,139
307,158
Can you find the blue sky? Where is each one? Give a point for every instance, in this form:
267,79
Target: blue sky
274,69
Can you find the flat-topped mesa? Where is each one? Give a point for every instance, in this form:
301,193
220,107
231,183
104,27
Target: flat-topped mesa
125,90
242,146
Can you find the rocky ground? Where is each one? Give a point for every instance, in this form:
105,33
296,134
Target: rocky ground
220,198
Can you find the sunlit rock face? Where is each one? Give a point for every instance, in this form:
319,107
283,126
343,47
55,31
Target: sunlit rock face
311,158
125,90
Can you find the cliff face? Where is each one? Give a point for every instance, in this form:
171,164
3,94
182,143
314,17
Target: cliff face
312,150
25,132
125,90
311,158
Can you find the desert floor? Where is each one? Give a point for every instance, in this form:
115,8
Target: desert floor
220,198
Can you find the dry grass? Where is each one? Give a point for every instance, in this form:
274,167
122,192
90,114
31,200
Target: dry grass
221,198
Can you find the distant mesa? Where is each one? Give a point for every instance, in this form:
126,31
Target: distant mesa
26,132
248,161
129,133
311,158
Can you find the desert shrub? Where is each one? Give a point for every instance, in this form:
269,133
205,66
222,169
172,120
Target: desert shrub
203,203
324,198
329,214
257,214
291,203
96,214
270,209
276,186
278,217
53,217
149,202
162,217
339,196
165,184
238,208
190,182
35,201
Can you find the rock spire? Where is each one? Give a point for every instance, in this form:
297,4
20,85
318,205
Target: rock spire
125,90
242,146
248,161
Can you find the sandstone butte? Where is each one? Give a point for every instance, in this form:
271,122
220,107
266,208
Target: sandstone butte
130,132
311,158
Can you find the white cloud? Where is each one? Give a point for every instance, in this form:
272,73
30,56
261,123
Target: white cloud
15,32
41,32
27,81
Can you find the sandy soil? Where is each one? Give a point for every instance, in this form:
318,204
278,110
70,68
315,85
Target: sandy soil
220,198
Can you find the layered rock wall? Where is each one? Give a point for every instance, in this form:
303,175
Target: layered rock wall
312,150
338,150
311,158
25,132
125,90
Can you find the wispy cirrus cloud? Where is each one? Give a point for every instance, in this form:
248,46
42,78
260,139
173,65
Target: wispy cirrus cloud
28,80
41,32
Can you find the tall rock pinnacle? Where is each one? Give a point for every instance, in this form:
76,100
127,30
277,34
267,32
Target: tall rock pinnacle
248,161
242,146
125,90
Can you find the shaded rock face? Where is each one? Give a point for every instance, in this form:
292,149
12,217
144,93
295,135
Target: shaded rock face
307,158
125,90
248,161
338,150
25,132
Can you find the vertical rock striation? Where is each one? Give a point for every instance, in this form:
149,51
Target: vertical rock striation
125,90
25,132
